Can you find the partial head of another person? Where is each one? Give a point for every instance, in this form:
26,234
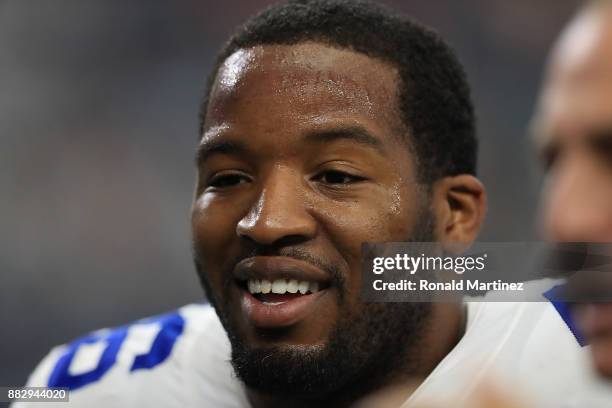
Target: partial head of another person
572,129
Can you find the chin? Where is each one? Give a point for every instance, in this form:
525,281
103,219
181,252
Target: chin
602,358
604,368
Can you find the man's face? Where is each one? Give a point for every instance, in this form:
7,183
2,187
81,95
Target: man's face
302,159
574,129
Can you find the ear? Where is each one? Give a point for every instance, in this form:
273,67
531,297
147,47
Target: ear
460,205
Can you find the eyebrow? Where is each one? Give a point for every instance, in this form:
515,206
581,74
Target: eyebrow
357,134
602,135
599,139
598,135
214,146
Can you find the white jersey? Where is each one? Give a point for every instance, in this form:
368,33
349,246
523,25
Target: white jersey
181,359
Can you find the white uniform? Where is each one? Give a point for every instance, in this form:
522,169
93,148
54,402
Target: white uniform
182,360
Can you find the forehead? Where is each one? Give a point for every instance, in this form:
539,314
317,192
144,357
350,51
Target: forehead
577,97
306,80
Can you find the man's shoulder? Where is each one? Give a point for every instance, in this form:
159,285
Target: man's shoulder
522,346
521,327
153,359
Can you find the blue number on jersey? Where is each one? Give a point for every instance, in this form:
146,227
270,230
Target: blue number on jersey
171,326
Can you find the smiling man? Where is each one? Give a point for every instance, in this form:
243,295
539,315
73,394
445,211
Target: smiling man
320,133
325,125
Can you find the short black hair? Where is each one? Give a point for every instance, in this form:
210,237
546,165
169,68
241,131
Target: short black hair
433,93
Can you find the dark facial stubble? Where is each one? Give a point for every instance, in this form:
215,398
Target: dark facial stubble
366,349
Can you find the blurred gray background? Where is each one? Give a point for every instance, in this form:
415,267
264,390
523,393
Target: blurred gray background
98,124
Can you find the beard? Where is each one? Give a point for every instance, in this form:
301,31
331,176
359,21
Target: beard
363,352
367,347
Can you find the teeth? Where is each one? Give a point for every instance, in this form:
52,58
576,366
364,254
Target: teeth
314,287
281,286
303,287
265,286
292,286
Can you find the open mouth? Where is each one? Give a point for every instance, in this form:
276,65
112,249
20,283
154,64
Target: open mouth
279,291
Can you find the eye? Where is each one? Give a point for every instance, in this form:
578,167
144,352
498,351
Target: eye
338,177
227,180
549,157
603,147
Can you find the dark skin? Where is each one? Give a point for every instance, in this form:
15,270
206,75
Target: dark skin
303,148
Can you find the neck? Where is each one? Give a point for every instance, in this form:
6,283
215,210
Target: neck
440,335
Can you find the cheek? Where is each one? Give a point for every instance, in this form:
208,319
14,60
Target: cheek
384,215
546,198
213,226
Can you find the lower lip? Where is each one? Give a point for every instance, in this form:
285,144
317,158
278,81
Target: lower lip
285,314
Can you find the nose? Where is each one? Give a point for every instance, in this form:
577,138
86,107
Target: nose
578,202
280,212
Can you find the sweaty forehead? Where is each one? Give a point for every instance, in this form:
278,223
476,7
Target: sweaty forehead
310,78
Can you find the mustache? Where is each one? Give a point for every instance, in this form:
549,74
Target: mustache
337,277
